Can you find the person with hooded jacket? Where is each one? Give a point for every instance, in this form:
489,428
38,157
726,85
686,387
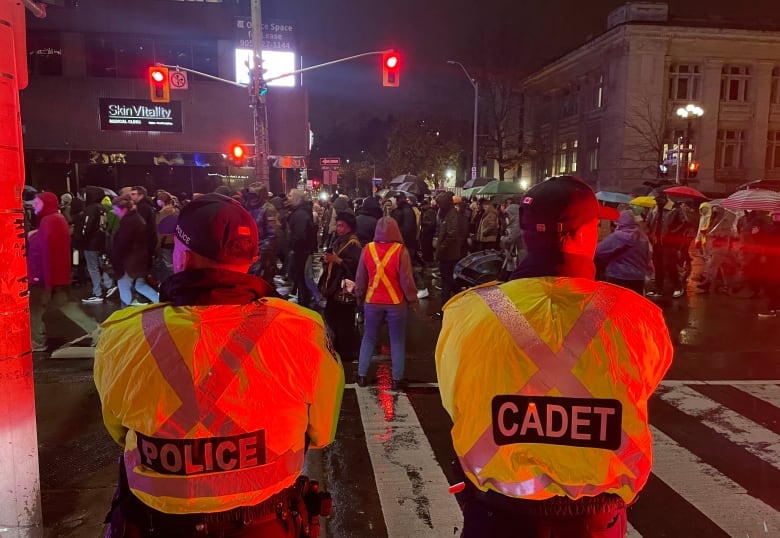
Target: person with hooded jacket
93,241
130,252
625,254
255,201
48,270
447,245
370,212
385,284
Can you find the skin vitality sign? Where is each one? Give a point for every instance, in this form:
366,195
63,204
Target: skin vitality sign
140,115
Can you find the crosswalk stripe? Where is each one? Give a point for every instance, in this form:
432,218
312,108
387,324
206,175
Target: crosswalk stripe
631,532
767,393
756,439
725,502
411,485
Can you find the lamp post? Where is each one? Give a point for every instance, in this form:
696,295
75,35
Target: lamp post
475,84
687,112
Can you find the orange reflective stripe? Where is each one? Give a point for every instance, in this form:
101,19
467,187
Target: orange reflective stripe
380,276
200,404
215,484
554,371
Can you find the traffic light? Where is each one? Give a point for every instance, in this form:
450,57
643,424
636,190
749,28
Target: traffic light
159,85
391,72
238,154
693,169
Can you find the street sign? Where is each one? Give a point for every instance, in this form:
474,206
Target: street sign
330,161
473,172
178,80
330,177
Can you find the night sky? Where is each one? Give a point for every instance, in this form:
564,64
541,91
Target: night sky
428,32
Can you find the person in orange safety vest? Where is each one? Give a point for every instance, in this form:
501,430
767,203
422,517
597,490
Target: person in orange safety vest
546,379
212,393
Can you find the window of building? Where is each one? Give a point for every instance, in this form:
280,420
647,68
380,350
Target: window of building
593,158
562,156
684,82
773,150
734,83
101,56
44,54
573,157
776,86
600,92
204,57
570,104
133,57
730,148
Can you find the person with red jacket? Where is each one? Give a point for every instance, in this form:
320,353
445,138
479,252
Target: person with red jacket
48,269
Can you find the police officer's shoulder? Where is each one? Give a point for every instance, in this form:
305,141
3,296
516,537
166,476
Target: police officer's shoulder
130,312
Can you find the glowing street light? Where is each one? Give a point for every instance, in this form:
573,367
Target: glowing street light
688,112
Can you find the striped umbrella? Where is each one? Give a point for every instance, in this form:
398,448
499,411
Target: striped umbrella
753,200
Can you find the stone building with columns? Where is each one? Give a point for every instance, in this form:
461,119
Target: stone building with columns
607,110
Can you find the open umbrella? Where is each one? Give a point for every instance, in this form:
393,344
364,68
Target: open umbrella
417,187
477,182
769,184
753,200
643,201
468,193
613,197
685,192
500,187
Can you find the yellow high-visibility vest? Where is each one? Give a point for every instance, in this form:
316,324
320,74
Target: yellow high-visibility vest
382,261
212,404
547,382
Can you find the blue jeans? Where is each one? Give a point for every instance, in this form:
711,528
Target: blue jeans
374,315
126,284
92,257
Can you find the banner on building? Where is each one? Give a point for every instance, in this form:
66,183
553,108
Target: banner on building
140,115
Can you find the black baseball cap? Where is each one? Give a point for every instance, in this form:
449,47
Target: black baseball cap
218,228
561,204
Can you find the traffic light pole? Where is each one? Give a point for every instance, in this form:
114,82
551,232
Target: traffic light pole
260,115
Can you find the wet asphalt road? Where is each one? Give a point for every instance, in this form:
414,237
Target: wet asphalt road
717,339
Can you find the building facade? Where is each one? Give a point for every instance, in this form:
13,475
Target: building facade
87,113
607,111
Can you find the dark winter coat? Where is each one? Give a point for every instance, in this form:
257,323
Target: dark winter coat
303,235
407,223
367,218
48,247
92,232
130,252
625,252
149,214
447,236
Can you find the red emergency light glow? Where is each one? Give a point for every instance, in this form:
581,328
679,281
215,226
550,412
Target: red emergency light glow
237,151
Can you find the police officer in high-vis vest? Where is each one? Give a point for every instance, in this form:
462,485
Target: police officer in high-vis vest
546,379
212,393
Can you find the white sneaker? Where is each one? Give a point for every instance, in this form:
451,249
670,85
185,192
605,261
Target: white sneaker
92,300
136,302
678,293
423,294
111,291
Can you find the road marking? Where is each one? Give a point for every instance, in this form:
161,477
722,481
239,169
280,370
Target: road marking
411,485
753,437
725,502
767,393
631,532
667,383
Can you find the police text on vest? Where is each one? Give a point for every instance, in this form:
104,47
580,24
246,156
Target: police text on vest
582,422
199,456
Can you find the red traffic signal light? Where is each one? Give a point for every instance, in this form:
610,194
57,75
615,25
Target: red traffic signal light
391,73
159,85
693,169
237,154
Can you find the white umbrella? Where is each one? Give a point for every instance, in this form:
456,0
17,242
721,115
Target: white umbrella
753,200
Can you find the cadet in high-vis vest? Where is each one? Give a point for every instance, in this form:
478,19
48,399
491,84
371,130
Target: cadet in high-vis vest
212,393
385,284
546,379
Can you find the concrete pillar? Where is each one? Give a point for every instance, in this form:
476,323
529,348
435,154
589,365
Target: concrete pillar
20,490
760,95
706,129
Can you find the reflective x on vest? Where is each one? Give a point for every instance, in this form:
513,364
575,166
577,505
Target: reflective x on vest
380,277
554,372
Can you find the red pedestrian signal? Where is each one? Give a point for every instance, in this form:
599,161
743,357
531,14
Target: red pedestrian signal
159,85
693,169
391,72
